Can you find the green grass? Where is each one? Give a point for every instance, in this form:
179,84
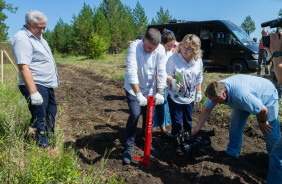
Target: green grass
22,161
113,66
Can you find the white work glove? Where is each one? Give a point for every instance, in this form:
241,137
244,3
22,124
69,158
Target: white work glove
175,86
36,98
141,99
198,97
159,99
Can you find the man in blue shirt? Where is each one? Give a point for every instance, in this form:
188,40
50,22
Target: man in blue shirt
38,75
246,95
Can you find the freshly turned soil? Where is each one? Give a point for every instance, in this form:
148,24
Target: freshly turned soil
94,118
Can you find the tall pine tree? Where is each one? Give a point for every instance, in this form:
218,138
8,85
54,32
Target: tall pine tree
120,21
101,25
248,25
62,35
128,30
3,27
140,19
83,28
112,11
163,16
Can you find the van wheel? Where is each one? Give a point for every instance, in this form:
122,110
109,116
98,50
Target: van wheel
239,66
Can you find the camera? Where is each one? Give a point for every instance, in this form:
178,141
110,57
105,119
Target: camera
195,145
272,24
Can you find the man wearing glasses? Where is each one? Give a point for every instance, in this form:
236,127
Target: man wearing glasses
38,75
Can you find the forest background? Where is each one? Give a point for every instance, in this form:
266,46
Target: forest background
107,28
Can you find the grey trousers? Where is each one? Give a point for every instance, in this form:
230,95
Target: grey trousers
263,56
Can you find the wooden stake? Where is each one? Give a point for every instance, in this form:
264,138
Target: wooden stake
2,66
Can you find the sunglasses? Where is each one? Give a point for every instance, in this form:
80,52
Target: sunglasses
184,48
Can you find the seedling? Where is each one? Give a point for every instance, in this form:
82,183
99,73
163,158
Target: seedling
178,79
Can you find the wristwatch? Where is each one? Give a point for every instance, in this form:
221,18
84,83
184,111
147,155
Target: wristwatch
276,54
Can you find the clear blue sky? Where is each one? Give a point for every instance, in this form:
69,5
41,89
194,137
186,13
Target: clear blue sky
191,10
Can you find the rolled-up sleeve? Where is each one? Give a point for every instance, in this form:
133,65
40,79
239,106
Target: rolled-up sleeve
131,64
161,70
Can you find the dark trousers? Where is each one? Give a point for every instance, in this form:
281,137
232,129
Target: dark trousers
263,54
135,110
43,116
179,112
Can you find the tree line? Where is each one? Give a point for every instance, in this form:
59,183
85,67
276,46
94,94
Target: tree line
96,31
107,28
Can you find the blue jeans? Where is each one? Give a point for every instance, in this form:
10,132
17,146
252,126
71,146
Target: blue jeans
135,110
43,116
238,121
274,175
179,112
162,114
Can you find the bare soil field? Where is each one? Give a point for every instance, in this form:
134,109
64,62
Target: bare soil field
94,112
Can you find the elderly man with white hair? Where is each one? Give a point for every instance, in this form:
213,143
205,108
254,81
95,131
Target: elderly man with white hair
38,75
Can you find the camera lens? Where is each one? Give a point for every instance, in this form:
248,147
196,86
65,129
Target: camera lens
266,40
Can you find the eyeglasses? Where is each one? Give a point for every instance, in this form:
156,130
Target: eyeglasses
184,48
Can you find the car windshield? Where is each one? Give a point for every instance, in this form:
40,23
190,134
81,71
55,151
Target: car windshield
242,35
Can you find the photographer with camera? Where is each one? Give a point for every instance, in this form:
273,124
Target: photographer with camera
275,159
246,95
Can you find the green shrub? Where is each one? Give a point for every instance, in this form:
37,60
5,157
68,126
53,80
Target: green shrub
97,47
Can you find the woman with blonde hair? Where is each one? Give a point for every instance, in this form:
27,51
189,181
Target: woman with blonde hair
184,76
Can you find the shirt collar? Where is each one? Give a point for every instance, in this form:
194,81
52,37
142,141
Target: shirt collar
192,61
29,34
142,48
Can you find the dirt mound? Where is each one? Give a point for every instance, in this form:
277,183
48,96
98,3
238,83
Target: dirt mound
97,112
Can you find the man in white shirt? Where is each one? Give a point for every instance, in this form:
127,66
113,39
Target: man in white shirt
145,59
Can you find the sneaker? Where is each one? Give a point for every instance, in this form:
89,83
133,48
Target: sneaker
166,135
154,153
127,156
226,156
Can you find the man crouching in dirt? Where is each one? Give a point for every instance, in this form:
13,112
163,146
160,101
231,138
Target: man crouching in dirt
38,75
246,95
145,58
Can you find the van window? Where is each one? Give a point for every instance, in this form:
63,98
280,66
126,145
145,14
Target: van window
242,35
224,37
